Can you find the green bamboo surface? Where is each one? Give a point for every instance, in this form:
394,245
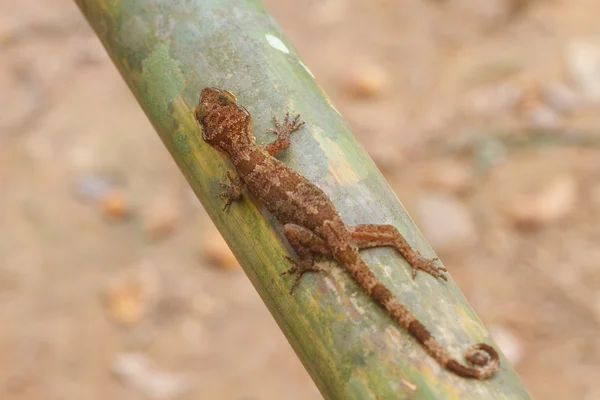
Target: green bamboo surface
167,51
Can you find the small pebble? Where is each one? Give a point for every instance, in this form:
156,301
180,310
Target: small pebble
445,222
451,176
491,101
560,97
542,116
327,12
509,344
218,254
582,59
113,206
103,191
135,370
128,298
92,187
160,220
366,82
551,203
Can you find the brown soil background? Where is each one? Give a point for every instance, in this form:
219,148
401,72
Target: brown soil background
114,283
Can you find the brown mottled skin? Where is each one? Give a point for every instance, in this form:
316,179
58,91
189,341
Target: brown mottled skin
313,225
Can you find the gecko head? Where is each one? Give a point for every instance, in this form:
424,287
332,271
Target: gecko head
224,122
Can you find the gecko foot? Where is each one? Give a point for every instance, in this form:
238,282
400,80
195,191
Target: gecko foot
426,265
283,132
287,127
301,266
233,191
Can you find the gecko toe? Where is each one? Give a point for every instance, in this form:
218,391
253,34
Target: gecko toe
427,265
300,267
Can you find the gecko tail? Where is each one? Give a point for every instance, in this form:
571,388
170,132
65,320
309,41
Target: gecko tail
482,358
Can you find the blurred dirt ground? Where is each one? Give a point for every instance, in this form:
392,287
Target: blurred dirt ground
483,116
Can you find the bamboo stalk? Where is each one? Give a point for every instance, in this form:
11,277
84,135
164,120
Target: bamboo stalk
167,51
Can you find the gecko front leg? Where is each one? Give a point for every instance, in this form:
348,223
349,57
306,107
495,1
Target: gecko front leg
370,235
305,243
283,132
233,190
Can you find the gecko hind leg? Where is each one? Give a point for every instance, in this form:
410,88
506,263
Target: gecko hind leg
305,243
369,235
283,132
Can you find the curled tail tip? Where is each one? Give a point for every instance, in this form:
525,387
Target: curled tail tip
474,354
483,359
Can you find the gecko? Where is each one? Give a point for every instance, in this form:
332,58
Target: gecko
312,224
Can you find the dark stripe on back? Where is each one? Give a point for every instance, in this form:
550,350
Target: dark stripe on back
419,331
380,293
